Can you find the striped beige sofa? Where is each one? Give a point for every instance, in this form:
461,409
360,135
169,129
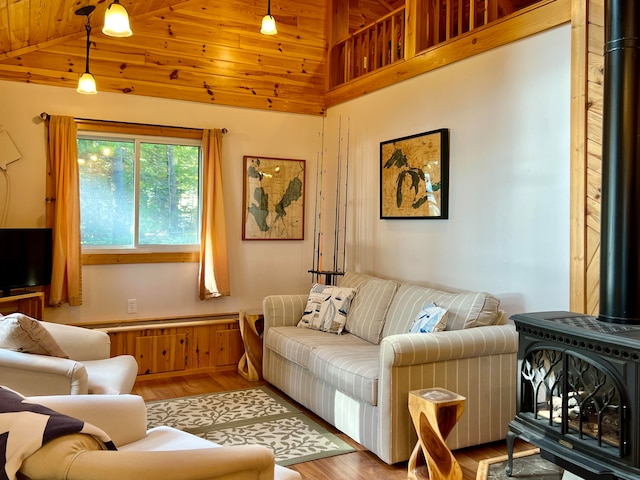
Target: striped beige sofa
359,381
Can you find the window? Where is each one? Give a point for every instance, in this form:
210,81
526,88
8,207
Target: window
139,192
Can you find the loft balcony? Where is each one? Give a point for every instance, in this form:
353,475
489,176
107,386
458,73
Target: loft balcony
421,35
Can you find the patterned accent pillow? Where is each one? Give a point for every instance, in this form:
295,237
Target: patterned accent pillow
327,308
21,333
430,319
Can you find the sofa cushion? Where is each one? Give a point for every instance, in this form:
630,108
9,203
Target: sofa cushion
327,308
353,371
370,306
465,310
295,344
21,333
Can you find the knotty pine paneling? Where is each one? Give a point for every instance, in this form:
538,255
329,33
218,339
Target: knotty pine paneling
595,76
161,353
195,347
196,50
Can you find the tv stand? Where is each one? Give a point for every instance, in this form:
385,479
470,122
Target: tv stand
31,304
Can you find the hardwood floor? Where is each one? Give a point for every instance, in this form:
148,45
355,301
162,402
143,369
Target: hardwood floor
359,465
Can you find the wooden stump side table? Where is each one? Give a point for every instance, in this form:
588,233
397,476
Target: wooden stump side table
434,411
251,328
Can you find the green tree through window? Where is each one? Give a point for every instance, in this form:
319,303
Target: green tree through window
136,192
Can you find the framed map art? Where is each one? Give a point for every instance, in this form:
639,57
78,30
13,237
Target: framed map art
414,176
273,199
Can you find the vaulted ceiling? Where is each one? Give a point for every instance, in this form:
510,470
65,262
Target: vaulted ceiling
199,50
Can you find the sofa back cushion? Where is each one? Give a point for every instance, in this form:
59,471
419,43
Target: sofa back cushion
370,305
465,310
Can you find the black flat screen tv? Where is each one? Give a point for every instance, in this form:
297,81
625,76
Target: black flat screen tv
25,258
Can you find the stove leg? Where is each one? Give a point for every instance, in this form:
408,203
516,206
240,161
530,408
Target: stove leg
511,437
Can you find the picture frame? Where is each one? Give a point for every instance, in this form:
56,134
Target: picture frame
414,176
273,196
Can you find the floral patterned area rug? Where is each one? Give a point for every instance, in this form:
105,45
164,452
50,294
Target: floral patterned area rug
254,415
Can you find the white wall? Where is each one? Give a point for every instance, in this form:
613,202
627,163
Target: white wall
257,268
508,227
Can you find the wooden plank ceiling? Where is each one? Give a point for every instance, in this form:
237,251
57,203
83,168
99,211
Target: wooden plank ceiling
207,51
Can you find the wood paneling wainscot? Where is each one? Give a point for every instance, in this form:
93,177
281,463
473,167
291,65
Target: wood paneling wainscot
181,347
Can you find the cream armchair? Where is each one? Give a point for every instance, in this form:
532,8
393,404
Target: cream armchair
161,452
87,370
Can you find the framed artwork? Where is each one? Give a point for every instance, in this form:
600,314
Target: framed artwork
414,176
273,198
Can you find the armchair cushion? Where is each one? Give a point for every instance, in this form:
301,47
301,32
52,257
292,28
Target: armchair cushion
21,333
160,452
26,426
79,342
89,368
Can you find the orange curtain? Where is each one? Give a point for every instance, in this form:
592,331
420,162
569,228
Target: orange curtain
214,266
66,277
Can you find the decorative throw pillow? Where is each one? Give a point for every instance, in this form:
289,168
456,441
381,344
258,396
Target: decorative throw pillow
21,333
327,308
430,319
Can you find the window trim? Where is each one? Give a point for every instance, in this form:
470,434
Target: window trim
94,256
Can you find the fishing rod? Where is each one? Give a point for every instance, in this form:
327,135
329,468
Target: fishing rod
336,227
346,197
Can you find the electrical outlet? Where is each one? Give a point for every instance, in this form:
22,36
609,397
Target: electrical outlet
132,305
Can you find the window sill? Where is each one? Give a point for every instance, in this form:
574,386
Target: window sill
130,258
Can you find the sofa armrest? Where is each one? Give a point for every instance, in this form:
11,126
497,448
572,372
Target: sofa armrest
122,417
80,343
32,374
283,310
414,349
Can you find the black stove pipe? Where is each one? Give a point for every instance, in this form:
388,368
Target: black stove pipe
620,215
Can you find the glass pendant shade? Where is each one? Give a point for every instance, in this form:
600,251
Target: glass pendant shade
87,84
116,21
268,25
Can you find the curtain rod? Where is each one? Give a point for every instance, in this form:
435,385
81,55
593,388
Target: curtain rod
46,116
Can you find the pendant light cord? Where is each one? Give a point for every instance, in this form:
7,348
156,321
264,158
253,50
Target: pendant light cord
88,28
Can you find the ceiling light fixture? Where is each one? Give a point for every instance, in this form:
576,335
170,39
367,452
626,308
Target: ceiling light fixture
86,83
268,22
116,21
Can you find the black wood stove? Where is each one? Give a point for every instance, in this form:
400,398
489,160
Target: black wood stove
578,395
579,386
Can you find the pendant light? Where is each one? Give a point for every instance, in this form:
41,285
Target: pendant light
116,21
268,22
86,83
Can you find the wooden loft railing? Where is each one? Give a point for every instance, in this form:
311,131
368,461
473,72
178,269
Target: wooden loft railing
401,34
370,48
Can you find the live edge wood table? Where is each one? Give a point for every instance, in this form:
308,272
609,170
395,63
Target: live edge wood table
434,411
251,328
